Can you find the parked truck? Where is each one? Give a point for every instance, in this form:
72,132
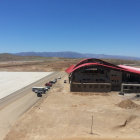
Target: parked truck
39,90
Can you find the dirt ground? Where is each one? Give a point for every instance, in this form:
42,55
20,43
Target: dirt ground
50,64
38,66
63,115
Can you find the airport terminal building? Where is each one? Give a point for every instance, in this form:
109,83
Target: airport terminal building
95,75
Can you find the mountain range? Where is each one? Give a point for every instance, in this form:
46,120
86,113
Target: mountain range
75,55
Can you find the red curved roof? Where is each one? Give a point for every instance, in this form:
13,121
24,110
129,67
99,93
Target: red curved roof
94,60
130,68
68,70
107,65
81,62
95,64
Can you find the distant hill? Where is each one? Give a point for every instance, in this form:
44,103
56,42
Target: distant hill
11,57
75,55
52,54
15,57
69,57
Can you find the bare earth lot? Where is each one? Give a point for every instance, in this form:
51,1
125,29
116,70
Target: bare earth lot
65,116
38,66
48,64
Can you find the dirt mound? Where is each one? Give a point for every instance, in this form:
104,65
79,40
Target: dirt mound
127,104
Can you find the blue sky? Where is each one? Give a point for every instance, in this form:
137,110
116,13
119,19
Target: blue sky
86,26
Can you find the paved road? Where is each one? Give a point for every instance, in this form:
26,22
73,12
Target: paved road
14,105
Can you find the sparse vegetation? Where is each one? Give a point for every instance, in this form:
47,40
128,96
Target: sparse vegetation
10,62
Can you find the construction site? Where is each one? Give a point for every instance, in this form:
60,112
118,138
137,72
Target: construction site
95,75
83,104
69,70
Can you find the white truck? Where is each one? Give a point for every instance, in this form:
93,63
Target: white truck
39,90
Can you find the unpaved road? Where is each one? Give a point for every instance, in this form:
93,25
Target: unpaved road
14,105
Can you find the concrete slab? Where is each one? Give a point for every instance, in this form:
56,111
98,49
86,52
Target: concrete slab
13,81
